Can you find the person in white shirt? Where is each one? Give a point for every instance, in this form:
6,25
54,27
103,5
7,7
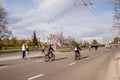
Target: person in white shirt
23,51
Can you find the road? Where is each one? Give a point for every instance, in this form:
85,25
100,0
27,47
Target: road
92,66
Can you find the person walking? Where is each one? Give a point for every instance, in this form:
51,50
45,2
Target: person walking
23,51
89,47
43,49
27,52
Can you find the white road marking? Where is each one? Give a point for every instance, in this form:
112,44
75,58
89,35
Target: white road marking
72,64
3,67
34,77
88,58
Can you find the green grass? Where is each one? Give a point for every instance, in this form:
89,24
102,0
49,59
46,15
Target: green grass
11,47
64,50
11,50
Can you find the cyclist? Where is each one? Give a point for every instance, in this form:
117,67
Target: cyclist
77,49
49,54
50,49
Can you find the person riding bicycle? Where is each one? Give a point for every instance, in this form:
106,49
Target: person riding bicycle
49,55
50,50
77,49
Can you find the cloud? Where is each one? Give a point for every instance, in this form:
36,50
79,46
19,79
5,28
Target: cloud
45,11
55,16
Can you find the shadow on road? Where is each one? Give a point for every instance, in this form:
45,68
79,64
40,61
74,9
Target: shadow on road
61,58
36,57
1,65
84,57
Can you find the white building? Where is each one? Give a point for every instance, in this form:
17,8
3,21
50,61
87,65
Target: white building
90,39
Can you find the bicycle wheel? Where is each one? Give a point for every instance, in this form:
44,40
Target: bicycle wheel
79,56
46,58
75,57
52,57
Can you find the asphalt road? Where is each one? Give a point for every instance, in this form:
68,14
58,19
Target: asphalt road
92,66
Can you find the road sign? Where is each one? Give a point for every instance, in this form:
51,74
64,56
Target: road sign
54,40
53,36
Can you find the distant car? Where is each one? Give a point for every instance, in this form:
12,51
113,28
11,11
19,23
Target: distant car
108,46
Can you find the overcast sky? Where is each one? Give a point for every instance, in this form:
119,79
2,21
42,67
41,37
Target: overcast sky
70,16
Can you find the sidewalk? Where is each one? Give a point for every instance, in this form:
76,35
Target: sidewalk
113,70
19,56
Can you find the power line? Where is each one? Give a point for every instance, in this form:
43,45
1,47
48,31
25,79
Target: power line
98,11
77,3
91,10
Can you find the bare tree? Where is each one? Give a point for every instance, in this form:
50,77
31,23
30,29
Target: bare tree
4,32
116,16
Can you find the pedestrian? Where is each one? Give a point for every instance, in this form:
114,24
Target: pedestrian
23,51
89,47
43,49
27,52
96,47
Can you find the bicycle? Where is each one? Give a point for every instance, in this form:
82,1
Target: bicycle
49,56
77,55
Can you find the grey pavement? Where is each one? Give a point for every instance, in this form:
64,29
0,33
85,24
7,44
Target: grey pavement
113,70
18,56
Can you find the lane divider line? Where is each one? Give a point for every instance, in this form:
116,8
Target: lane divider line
72,64
88,58
34,77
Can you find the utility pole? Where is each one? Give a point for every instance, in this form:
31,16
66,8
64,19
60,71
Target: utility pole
0,45
43,35
116,16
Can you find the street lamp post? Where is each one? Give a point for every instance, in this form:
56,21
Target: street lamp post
0,45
